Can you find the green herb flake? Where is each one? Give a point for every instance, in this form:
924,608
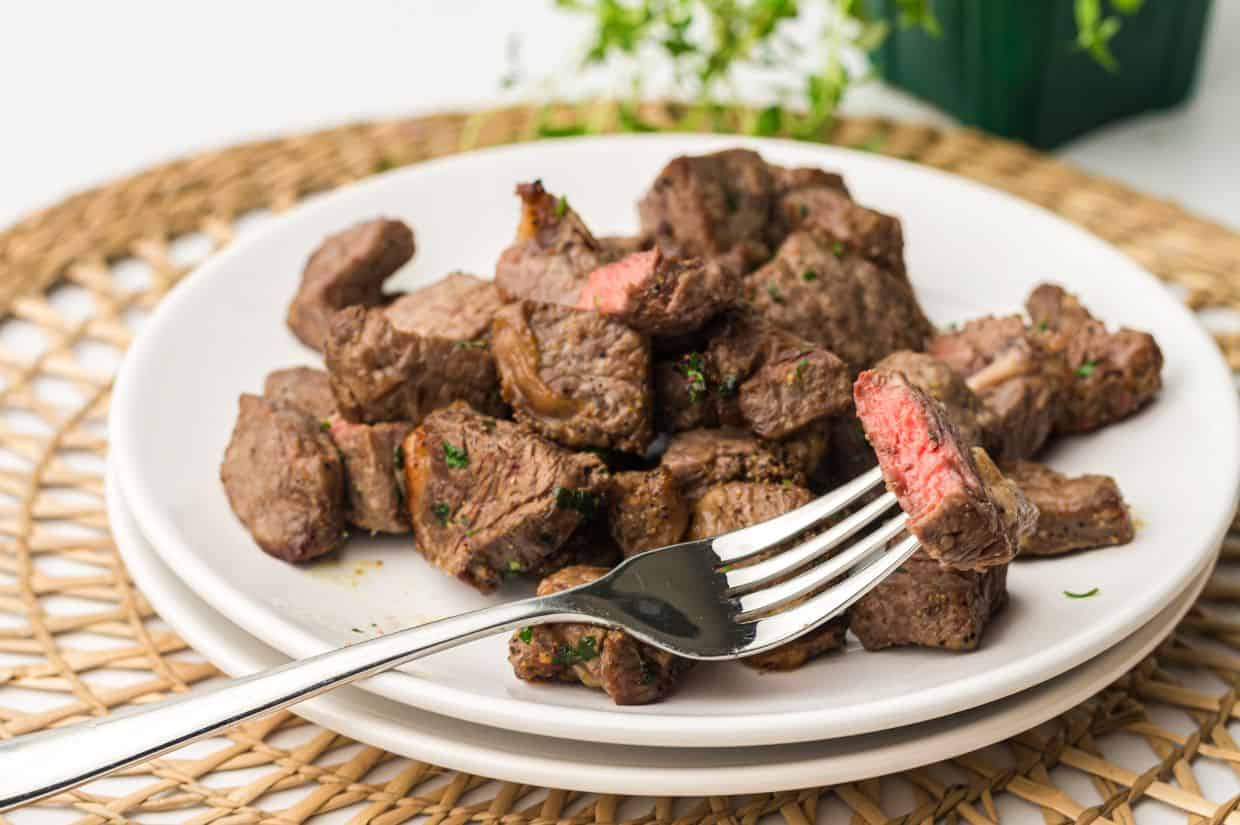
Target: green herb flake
514,566
1044,326
583,501
464,521
729,201
800,370
479,343
526,634
1087,369
809,275
837,249
456,457
773,291
398,455
693,371
356,629
325,425
729,386
648,671
561,206
586,649
1086,595
442,513
804,210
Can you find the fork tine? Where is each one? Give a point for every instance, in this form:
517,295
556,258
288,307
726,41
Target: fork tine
798,586
748,541
831,602
793,558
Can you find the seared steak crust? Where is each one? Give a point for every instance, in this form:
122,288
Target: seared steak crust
1073,513
458,307
961,508
830,213
552,253
488,498
1114,373
579,378
646,510
306,388
630,672
825,292
1020,376
926,604
375,482
701,459
284,480
348,268
382,373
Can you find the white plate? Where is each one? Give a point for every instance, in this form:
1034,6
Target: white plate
627,769
970,250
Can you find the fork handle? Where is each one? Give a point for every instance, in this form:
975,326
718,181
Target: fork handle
37,766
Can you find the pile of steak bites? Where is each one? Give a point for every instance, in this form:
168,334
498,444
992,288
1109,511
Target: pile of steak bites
757,343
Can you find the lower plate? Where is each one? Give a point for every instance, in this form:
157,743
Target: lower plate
627,769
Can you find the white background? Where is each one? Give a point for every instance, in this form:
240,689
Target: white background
95,90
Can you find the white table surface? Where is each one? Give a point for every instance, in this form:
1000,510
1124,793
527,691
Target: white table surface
94,91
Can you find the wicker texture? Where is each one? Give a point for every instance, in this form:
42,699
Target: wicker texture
82,641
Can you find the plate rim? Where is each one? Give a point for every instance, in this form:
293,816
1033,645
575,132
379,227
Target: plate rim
608,725
352,711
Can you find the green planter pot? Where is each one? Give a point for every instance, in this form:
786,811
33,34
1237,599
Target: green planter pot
1011,67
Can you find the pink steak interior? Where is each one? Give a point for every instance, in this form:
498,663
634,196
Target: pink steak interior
608,288
921,470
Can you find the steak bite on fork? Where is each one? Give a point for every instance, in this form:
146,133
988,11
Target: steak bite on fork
966,514
347,269
628,671
488,498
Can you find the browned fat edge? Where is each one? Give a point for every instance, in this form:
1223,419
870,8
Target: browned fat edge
536,205
518,350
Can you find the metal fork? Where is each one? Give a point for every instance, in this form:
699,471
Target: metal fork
720,598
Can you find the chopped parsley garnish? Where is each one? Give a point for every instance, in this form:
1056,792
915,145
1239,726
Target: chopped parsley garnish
561,206
1087,369
647,671
464,520
325,425
1044,326
586,649
804,211
837,249
442,512
773,291
583,501
729,200
1087,594
515,566
456,457
479,343
526,634
800,370
809,275
729,385
398,455
692,369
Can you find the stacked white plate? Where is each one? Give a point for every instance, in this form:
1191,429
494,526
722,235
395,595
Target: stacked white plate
970,250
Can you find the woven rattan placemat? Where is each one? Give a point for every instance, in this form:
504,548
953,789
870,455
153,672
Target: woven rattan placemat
77,639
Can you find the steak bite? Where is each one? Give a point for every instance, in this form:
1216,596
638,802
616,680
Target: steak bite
755,375
577,377
375,481
553,251
646,510
306,388
937,380
737,504
1073,513
380,372
488,498
284,480
829,212
825,292
966,514
629,671
1018,374
1114,373
458,307
699,460
711,206
658,295
925,604
348,268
